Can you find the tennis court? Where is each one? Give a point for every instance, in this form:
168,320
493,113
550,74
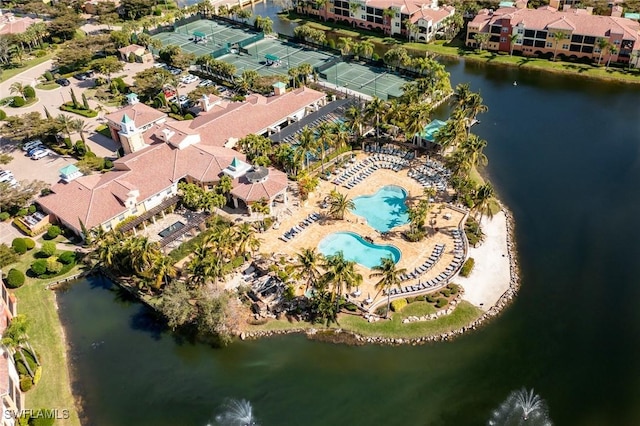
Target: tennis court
371,81
285,55
204,37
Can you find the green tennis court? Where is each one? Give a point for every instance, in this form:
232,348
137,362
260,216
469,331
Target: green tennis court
365,79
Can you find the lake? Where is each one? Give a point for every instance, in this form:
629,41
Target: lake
564,156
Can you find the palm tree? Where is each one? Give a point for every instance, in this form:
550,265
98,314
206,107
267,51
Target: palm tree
307,144
613,50
462,95
417,117
345,44
307,266
365,48
558,36
246,241
373,112
80,126
481,39
482,199
340,274
339,204
602,44
472,149
17,88
512,41
326,140
389,277
66,122
161,271
142,253
355,122
265,24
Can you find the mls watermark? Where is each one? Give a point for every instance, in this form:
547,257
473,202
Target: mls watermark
52,413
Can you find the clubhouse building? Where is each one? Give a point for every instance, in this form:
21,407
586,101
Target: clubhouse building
161,152
387,15
535,32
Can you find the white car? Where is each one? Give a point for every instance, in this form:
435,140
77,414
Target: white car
205,83
40,154
190,78
6,176
32,144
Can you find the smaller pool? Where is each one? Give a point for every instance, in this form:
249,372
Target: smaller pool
355,248
171,229
385,209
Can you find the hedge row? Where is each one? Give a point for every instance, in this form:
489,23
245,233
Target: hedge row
83,112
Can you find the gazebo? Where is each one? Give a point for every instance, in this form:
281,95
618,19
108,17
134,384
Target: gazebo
199,36
428,134
260,183
69,173
272,59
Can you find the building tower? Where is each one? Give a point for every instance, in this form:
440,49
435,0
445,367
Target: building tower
130,136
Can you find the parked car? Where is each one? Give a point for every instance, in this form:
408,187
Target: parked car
190,78
63,82
6,176
205,83
80,76
34,150
31,144
183,100
174,71
40,154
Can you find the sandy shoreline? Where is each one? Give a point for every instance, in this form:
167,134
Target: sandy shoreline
490,277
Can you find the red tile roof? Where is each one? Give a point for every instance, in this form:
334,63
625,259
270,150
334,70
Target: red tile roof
249,192
140,113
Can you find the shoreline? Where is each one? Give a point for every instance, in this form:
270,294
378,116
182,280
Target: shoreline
339,335
77,398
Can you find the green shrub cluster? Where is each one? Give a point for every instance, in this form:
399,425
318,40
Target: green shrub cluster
68,107
3,115
53,232
39,267
453,288
398,305
53,266
15,278
19,246
4,216
18,102
67,257
21,226
29,243
48,76
48,248
29,92
472,231
441,302
26,384
467,267
7,255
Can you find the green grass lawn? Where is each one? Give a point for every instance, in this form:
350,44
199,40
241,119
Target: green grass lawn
464,314
599,72
47,86
46,336
7,73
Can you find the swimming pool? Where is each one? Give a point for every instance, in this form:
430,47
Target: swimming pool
385,209
171,229
355,248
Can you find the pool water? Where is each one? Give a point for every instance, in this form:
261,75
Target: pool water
385,209
355,248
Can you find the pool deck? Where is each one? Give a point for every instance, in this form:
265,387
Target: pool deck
413,254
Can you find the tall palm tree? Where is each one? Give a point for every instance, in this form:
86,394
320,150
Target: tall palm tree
374,110
613,50
307,266
66,122
558,36
339,204
462,94
512,41
355,122
417,117
482,199
161,271
345,44
80,126
602,44
141,253
472,149
389,277
17,88
246,240
366,48
326,140
340,275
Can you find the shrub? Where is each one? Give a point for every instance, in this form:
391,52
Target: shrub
48,76
120,84
38,419
26,383
67,257
89,113
37,375
351,307
4,216
108,164
53,231
453,288
19,246
53,266
21,226
29,92
39,267
15,278
445,292
48,248
18,101
398,305
22,212
29,243
430,298
467,267
441,302
3,115
410,300
7,256
188,117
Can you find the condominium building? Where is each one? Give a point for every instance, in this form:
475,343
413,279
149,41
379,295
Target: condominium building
573,33
387,15
11,397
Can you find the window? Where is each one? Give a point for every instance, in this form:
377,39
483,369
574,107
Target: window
168,192
505,29
397,24
565,46
363,17
549,44
616,42
596,50
503,39
107,227
121,217
520,30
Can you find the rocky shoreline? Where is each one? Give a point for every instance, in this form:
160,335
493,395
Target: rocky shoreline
343,336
